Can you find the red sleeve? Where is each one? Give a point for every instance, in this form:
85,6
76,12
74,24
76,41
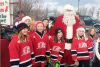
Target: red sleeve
90,48
32,38
61,53
48,48
14,53
74,49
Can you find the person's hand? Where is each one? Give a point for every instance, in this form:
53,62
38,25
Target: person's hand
76,63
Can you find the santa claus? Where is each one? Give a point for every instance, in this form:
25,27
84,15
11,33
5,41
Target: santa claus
68,22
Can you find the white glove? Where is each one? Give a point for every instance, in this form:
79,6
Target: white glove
68,46
76,63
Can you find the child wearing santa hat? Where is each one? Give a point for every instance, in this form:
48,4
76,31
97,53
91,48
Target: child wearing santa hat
40,45
81,48
57,44
20,48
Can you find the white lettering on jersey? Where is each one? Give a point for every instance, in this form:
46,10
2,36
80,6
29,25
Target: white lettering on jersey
26,50
82,45
56,48
41,45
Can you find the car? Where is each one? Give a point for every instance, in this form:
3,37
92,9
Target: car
89,22
7,31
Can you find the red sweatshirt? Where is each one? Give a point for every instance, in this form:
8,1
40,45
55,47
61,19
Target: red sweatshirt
82,49
57,50
21,54
40,46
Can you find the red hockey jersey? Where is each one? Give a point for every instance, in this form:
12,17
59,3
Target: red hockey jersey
21,54
40,46
57,50
82,49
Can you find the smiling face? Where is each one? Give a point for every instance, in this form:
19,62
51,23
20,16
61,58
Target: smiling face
80,32
60,35
93,31
40,27
24,31
45,22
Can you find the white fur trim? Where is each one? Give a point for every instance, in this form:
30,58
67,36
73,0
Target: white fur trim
69,31
17,23
68,46
96,49
80,29
25,18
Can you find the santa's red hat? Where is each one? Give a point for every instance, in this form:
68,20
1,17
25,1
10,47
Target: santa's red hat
80,28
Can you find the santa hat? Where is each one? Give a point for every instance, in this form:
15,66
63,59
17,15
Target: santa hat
21,26
26,18
80,28
68,7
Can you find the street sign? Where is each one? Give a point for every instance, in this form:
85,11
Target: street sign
4,12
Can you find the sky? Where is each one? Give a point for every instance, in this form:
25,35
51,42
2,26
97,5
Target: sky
59,4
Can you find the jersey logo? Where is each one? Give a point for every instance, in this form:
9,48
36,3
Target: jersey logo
41,45
82,45
56,48
26,50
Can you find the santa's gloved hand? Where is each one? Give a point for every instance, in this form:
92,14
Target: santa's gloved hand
68,46
76,63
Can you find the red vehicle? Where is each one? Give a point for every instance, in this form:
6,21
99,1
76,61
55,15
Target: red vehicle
5,36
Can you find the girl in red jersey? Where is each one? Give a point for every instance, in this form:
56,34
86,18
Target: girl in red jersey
81,48
20,48
41,47
57,46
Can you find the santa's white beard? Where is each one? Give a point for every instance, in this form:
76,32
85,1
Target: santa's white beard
69,20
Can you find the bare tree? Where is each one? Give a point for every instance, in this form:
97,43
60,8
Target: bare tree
91,11
33,8
83,11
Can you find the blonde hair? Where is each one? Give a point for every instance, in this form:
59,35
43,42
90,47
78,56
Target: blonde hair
84,36
31,25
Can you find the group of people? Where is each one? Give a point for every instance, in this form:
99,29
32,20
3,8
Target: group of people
34,45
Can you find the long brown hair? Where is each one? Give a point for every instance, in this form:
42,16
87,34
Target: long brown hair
22,38
89,33
56,33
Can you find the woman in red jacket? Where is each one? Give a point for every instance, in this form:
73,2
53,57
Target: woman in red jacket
82,48
20,48
57,46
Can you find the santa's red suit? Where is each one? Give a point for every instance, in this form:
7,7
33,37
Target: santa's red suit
69,27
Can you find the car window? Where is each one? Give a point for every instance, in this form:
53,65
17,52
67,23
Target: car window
86,18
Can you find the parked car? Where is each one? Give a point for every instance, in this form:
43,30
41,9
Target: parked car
7,31
89,22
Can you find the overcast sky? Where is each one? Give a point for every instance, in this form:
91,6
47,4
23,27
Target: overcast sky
60,3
